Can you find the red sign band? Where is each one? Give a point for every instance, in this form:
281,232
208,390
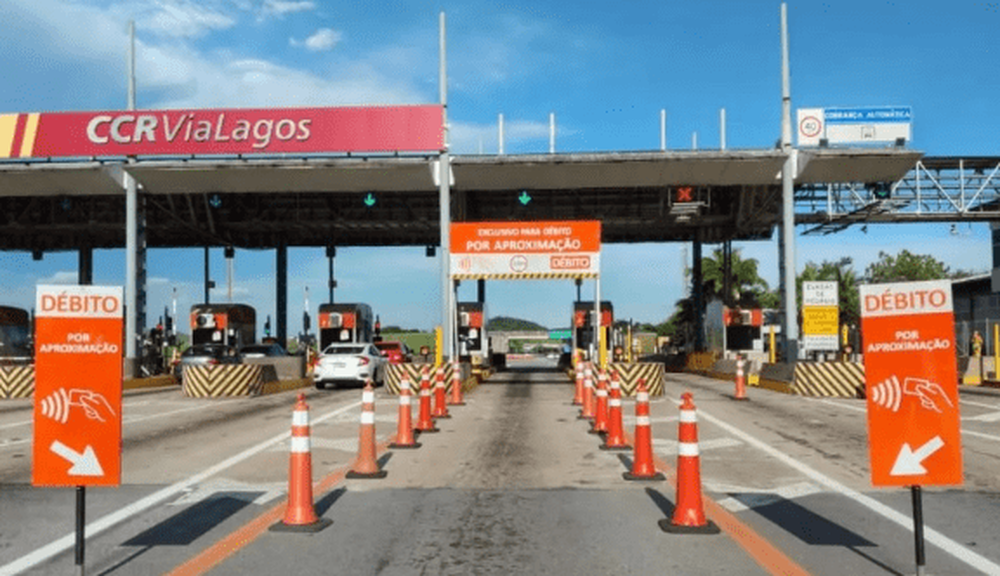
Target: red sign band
222,131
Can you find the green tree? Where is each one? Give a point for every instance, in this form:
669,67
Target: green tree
905,267
745,285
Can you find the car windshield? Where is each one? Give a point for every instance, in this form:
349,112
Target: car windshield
214,351
344,350
266,349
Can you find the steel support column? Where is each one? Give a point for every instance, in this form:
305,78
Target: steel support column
790,325
481,291
444,201
696,292
331,253
85,268
281,294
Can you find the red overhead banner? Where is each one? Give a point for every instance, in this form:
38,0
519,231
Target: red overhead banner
222,131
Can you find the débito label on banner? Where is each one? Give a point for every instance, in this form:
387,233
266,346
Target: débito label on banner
911,383
78,386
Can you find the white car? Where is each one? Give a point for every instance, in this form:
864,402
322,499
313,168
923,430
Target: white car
349,363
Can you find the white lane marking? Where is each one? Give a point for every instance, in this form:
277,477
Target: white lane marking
343,444
9,443
749,500
979,404
931,535
713,444
990,417
129,405
259,494
59,546
864,411
132,420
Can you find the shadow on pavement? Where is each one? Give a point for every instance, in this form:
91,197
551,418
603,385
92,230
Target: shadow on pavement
327,502
187,526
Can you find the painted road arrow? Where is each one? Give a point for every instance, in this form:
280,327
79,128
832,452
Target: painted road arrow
908,463
85,464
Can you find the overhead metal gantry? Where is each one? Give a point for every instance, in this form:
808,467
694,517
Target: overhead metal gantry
936,189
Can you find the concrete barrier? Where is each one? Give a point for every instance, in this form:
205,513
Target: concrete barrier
631,373
287,368
225,380
412,370
17,382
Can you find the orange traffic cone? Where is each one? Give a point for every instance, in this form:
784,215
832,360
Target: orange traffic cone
404,428
300,516
578,393
366,466
440,407
425,422
588,393
456,385
741,383
642,459
689,512
601,404
615,440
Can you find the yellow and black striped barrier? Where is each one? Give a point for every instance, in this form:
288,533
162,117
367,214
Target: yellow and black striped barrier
838,379
224,380
630,374
395,373
17,381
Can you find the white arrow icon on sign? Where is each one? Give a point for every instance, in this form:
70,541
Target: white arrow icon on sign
85,464
908,463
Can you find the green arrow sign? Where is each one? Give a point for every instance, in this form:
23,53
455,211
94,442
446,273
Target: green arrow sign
370,200
524,198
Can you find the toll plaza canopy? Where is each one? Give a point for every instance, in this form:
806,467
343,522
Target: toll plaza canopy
258,201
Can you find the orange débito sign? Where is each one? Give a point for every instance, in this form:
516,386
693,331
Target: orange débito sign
78,386
525,249
912,384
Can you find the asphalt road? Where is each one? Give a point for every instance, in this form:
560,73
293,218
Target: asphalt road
513,484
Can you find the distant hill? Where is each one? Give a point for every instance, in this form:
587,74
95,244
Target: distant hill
507,324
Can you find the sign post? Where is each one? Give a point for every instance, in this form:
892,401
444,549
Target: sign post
78,392
912,389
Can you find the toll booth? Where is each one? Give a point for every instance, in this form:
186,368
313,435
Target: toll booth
232,324
583,328
473,341
743,328
345,323
15,336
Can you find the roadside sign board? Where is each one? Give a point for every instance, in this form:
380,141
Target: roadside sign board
858,125
78,386
820,315
521,250
912,384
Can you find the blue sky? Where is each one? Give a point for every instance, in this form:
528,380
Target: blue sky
606,72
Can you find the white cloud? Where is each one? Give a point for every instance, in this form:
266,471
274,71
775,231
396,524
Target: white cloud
60,277
182,19
279,8
324,39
